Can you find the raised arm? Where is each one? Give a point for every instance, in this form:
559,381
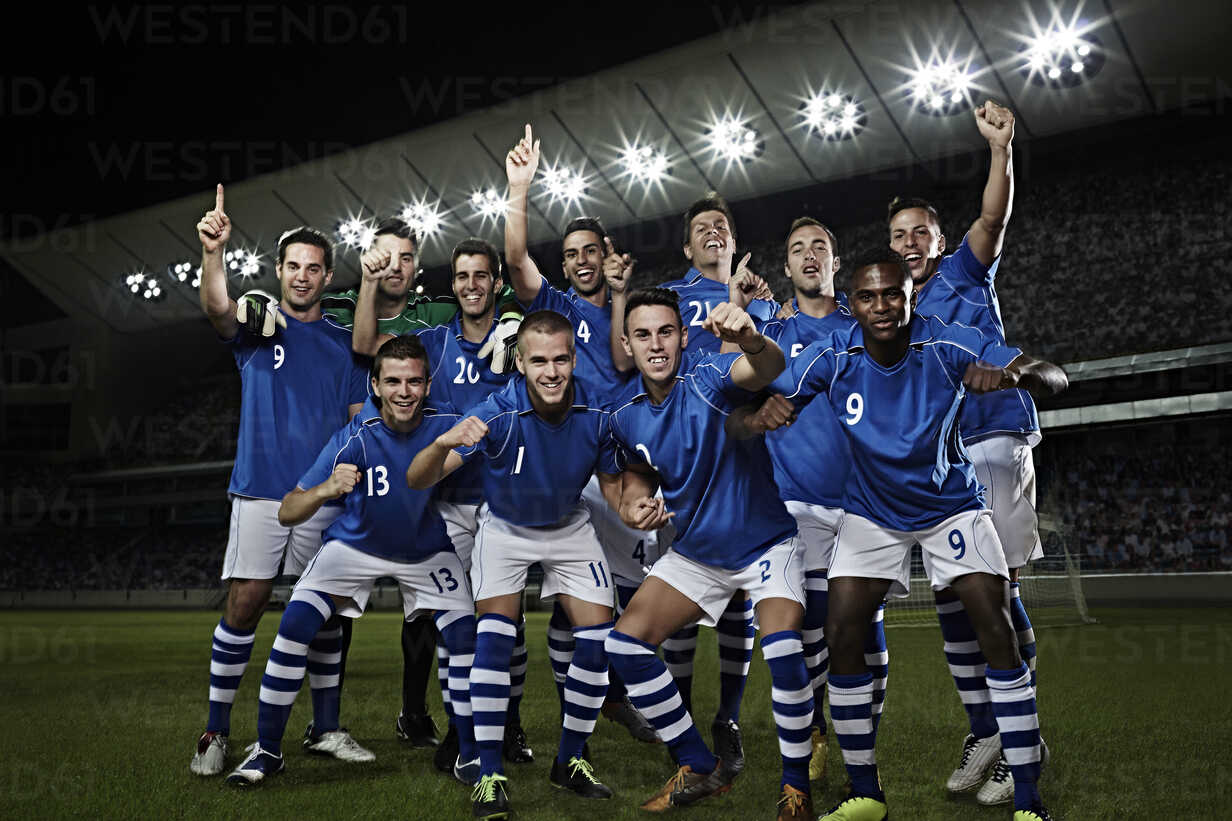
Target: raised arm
617,270
214,230
756,418
763,360
1039,378
520,165
996,124
375,265
439,459
299,505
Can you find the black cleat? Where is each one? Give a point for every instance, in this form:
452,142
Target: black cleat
447,753
516,748
578,776
489,799
728,744
417,730
622,711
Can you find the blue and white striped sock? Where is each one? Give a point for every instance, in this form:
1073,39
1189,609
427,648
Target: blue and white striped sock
962,653
229,653
324,675
816,651
494,638
457,630
1022,626
517,673
654,694
442,673
1013,700
288,660
560,650
791,698
678,651
851,712
735,655
877,659
585,689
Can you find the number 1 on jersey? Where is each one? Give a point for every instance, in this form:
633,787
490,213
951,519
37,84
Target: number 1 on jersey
517,468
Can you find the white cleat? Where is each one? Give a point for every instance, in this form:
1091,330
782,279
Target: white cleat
978,757
256,767
211,755
999,788
339,744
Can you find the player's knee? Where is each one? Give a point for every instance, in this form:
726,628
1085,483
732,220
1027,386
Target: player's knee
846,640
246,600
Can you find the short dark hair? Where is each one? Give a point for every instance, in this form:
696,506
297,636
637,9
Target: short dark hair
545,322
591,224
407,346
652,296
879,255
475,245
307,236
397,227
711,202
800,222
903,203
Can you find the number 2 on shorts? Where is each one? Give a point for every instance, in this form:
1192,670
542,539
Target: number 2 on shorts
765,569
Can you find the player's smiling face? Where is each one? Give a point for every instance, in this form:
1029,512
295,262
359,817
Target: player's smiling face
710,239
655,339
917,238
474,284
303,275
810,261
402,388
583,261
881,301
397,284
547,361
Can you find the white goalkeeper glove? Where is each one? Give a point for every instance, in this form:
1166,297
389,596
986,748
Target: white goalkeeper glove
258,312
501,343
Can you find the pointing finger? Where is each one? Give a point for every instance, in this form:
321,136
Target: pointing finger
746,259
218,198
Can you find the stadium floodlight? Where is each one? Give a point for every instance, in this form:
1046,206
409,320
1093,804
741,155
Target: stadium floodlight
240,261
564,185
942,87
423,218
356,233
734,141
487,203
833,116
644,163
144,284
1061,56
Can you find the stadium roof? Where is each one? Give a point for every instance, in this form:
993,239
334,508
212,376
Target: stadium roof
1155,56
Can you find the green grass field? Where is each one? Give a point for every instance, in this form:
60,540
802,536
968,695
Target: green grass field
101,711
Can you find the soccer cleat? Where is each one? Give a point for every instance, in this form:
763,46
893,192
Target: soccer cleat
728,744
578,776
516,749
795,805
339,744
447,753
623,712
490,798
817,764
858,808
978,757
211,755
256,767
687,787
999,788
1037,814
467,773
417,730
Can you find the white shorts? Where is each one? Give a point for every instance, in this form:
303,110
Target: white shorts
257,544
630,553
569,554
461,522
776,574
436,583
962,544
818,526
1004,466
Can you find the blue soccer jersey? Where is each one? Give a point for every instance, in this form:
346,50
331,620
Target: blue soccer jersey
295,390
698,296
382,516
909,469
963,291
533,471
728,510
811,456
592,330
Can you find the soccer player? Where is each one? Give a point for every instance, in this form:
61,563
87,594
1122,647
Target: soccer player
999,430
385,529
897,382
541,439
298,385
732,533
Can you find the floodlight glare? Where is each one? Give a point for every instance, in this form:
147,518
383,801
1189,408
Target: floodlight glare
941,88
644,163
564,185
1061,57
488,203
356,233
833,116
422,217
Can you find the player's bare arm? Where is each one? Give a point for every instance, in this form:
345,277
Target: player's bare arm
639,508
439,459
520,165
375,264
1039,378
996,124
213,231
754,419
299,505
617,271
763,360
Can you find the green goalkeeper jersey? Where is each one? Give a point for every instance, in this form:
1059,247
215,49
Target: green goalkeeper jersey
421,312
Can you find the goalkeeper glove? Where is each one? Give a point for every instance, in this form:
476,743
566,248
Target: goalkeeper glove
501,343
258,312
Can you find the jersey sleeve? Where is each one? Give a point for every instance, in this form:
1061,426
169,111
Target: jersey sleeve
357,388
772,329
551,299
499,424
340,307
763,309
343,447
964,263
808,374
712,377
611,459
439,311
968,345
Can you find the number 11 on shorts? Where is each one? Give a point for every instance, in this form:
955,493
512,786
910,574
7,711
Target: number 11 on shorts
597,573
